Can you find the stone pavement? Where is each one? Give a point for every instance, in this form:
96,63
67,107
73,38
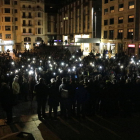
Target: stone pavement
97,128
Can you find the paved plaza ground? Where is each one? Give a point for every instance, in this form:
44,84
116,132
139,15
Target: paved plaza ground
90,128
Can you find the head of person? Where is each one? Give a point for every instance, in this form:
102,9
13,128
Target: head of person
15,79
52,80
41,81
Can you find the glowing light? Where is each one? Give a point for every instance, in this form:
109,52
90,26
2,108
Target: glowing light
12,63
31,72
121,67
40,61
28,65
16,71
33,58
54,73
62,64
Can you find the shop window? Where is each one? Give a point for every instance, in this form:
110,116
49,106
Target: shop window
105,34
120,20
111,21
105,22
112,9
7,19
130,33
7,10
7,28
7,36
131,5
105,11
7,2
121,7
120,34
111,34
131,18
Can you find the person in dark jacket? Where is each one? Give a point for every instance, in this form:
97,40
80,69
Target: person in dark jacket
65,105
41,91
6,101
81,97
53,101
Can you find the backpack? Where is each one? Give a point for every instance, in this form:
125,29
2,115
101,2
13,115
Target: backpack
64,93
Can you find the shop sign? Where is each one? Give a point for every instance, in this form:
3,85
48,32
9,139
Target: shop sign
131,45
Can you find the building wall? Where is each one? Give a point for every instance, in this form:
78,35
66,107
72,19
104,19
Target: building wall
25,23
121,41
76,19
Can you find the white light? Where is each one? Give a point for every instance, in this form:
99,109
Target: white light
31,68
12,63
28,59
16,71
31,72
54,73
19,55
7,74
26,69
40,61
39,68
50,65
28,65
22,66
121,67
49,61
100,67
33,58
62,64
118,63
19,69
49,57
11,72
73,56
33,61
69,70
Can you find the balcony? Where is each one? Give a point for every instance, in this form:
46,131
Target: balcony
27,33
28,0
26,9
27,25
27,17
38,9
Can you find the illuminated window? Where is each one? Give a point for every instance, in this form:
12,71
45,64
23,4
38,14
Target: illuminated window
120,20
131,5
130,33
121,8
112,9
131,18
120,34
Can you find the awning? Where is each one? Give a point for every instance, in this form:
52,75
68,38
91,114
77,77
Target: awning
88,40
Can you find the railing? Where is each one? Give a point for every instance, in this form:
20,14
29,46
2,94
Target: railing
27,33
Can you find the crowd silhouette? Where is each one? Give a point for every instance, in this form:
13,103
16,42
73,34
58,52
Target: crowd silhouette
80,85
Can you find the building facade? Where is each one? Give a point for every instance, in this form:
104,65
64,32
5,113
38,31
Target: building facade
79,19
22,24
120,26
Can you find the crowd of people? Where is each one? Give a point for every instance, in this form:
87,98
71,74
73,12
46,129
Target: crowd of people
80,85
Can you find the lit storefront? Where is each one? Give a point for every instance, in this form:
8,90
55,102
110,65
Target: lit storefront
131,49
6,45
